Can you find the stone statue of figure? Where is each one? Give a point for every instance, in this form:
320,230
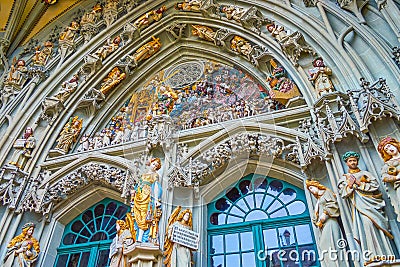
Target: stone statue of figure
92,16
389,148
148,18
108,48
69,134
241,46
42,56
319,75
147,50
24,246
113,79
67,88
177,255
70,32
325,218
146,199
370,225
204,32
233,12
18,73
29,144
188,5
118,259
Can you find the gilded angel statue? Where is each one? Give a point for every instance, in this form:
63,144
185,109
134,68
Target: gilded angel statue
177,255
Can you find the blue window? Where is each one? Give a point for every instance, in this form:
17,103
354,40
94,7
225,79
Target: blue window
260,222
86,240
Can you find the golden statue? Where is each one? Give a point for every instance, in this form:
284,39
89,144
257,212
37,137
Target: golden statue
148,18
203,32
241,45
112,80
42,56
69,33
24,246
147,50
177,255
69,134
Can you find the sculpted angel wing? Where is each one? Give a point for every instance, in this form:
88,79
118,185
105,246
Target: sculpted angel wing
167,243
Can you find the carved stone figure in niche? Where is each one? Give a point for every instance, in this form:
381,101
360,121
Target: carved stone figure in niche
69,33
241,46
84,143
204,32
292,44
67,88
26,145
24,246
166,100
108,48
112,80
69,134
177,255
189,5
146,200
319,75
282,88
41,57
361,190
92,16
18,73
233,12
118,259
148,18
389,148
147,50
325,218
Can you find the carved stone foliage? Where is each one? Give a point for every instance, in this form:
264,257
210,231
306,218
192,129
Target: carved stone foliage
110,12
89,22
292,44
355,7
196,171
41,201
12,183
372,102
396,54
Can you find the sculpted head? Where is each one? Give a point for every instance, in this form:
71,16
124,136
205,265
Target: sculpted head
315,187
388,147
155,164
185,217
28,229
351,158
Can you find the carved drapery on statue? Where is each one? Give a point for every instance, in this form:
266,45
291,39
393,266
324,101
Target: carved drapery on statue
69,135
370,225
24,146
117,257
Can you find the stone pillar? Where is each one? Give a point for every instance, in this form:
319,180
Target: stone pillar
143,255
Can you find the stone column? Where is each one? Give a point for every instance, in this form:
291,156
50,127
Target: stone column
143,255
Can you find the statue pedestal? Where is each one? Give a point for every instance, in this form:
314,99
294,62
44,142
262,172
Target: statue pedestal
143,255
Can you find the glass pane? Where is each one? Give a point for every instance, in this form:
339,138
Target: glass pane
104,224
91,226
303,234
84,259
99,210
286,236
233,194
81,240
246,241
296,207
111,225
234,219
99,236
62,261
98,223
77,226
242,205
217,218
250,201
111,208
275,187
231,243
217,261
267,201
248,259
85,232
121,211
259,199
233,260
222,204
279,213
260,184
308,255
87,216
270,239
69,239
287,195
74,260
256,215
236,211
276,205
245,187
102,260
217,244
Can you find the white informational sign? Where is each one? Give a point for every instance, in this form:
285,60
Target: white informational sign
185,237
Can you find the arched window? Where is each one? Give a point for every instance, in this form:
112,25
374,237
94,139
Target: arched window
86,240
260,222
